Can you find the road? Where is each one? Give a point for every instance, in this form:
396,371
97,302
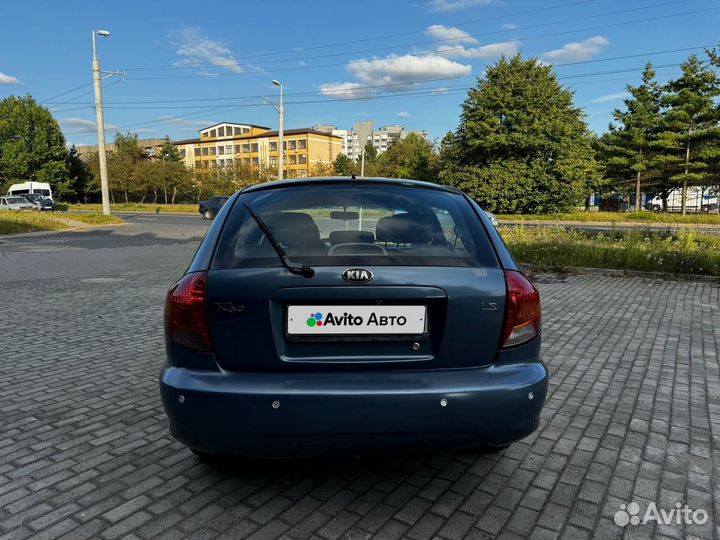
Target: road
633,414
146,241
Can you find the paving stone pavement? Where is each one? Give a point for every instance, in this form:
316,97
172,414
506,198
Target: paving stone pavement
633,414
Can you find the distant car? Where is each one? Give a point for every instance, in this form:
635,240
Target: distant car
328,315
492,217
44,204
210,208
15,203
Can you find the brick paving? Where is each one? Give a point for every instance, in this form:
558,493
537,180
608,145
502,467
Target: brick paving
633,414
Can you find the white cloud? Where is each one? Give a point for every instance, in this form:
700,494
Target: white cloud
456,5
176,121
403,114
448,33
578,50
509,26
7,79
491,50
345,90
80,125
194,47
405,71
439,91
611,97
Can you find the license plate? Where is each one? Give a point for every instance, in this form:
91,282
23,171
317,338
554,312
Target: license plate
355,320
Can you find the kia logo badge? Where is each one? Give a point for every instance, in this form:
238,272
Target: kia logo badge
357,275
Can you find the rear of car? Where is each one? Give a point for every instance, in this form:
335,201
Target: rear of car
336,315
209,209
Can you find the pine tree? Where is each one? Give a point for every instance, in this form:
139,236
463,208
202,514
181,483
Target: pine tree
522,145
628,148
691,124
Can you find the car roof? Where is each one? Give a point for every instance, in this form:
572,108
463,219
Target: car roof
340,180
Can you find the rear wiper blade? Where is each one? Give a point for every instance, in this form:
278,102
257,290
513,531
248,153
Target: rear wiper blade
297,269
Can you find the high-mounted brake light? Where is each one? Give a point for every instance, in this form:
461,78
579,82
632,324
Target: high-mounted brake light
186,320
522,312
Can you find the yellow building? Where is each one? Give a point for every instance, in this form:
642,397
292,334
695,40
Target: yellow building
227,144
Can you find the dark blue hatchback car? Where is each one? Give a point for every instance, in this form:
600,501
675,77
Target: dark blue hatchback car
336,315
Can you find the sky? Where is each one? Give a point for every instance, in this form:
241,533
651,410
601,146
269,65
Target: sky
183,65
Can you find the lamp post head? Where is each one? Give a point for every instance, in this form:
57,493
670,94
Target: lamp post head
103,33
276,82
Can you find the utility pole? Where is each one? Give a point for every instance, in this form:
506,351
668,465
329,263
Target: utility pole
281,149
97,83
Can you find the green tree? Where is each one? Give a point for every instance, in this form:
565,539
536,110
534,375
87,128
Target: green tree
412,157
371,158
690,125
344,166
122,163
522,145
629,147
32,147
78,176
169,151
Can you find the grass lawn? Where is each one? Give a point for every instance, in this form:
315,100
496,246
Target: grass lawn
22,222
552,248
137,207
619,217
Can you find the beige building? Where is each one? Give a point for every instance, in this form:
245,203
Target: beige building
228,144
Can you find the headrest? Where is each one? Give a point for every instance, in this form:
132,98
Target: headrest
351,237
403,229
289,226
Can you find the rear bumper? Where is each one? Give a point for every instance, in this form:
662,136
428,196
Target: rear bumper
324,413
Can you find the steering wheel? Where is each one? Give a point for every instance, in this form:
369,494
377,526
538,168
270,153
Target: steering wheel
363,251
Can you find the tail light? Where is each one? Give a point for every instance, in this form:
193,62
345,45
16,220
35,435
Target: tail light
522,312
186,320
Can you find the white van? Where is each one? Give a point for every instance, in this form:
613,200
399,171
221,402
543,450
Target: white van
698,200
26,188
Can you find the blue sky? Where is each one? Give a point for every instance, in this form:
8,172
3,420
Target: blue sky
190,64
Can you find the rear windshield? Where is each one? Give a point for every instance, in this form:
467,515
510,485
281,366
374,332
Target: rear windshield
355,224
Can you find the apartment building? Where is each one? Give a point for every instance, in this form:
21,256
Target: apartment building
226,144
380,138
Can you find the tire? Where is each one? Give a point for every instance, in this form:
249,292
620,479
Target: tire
205,456
705,209
208,214
656,208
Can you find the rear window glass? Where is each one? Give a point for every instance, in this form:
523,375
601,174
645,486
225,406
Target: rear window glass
359,224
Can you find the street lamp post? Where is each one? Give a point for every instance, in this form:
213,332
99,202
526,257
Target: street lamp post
97,82
281,149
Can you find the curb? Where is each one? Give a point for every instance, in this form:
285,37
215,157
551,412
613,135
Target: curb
619,273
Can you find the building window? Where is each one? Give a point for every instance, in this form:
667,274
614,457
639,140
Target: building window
181,152
198,164
303,159
273,146
255,161
206,164
197,151
205,151
228,149
213,133
221,131
237,148
237,131
254,147
246,130
273,161
246,148
293,160
221,150
246,161
302,144
212,150
303,173
292,174
291,145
